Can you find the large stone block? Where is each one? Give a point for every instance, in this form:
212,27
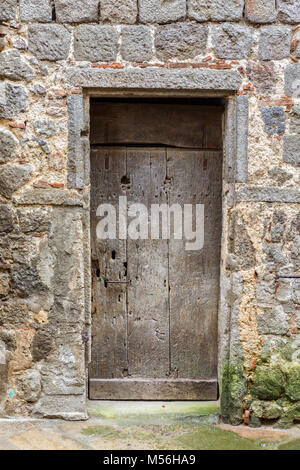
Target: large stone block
13,67
217,10
295,120
13,177
292,80
49,42
267,194
8,145
6,218
274,120
136,43
45,127
268,383
8,10
273,322
96,43
274,42
114,11
36,10
156,11
262,76
289,11
30,384
180,41
72,407
13,100
293,383
260,11
291,149
232,41
77,11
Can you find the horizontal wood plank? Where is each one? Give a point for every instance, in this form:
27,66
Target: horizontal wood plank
153,389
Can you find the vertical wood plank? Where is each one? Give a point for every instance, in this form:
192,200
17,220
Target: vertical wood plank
196,178
148,309
109,258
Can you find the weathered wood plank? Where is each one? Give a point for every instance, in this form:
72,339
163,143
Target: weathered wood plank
196,178
148,309
109,313
176,125
153,389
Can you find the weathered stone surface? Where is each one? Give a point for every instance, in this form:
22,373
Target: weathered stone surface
279,175
55,197
13,177
295,120
291,149
13,100
4,289
274,120
274,42
240,246
232,41
136,43
96,43
45,128
8,10
156,11
13,67
268,383
289,11
49,42
264,194
181,41
72,407
27,279
293,384
155,79
292,80
262,76
266,410
8,145
75,150
33,220
6,218
77,11
273,322
124,12
30,384
217,10
260,11
242,118
36,10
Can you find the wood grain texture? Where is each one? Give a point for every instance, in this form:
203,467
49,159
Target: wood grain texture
176,125
154,389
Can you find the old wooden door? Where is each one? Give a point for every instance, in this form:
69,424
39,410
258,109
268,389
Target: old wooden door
154,331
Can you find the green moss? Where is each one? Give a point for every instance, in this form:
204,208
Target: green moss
268,383
293,384
233,391
266,410
97,430
291,445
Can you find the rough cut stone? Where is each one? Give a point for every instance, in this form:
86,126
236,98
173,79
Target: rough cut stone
274,120
292,80
75,157
49,42
279,175
30,384
13,100
45,128
76,11
260,11
136,43
232,41
262,76
114,11
8,145
291,149
181,41
8,10
289,11
273,322
55,197
155,78
72,407
6,218
242,118
156,11
274,42
295,120
13,177
217,10
13,67
264,194
36,10
96,43
268,383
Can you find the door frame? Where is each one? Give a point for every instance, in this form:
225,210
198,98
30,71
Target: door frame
114,84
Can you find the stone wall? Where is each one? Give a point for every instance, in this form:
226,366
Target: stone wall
50,51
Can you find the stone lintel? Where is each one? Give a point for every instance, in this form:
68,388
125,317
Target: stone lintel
267,194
